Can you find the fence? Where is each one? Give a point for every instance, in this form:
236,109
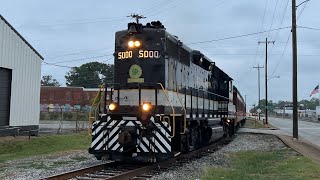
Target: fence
59,120
303,117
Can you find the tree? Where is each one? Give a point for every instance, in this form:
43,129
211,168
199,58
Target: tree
48,80
90,75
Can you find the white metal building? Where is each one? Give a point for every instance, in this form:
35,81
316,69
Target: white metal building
20,75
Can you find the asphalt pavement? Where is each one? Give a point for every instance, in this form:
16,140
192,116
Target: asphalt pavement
306,130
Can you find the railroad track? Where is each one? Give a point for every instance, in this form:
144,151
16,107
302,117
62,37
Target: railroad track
120,171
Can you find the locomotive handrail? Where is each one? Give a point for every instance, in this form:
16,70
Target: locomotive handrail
173,119
185,113
95,111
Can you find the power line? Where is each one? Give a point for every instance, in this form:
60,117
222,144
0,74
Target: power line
274,12
238,36
178,4
76,53
311,28
281,57
52,64
60,62
156,6
302,9
264,15
282,19
57,65
85,22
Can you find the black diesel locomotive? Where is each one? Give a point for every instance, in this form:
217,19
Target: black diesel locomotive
166,99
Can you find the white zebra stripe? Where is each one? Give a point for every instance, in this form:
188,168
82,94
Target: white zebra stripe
200,115
188,115
152,119
205,115
115,137
193,116
101,144
115,147
100,135
98,128
94,142
130,123
163,141
142,145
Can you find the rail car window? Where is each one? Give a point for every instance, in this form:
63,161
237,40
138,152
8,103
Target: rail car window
177,52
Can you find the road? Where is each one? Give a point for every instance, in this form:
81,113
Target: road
307,130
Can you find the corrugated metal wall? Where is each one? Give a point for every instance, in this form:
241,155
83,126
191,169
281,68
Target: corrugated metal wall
15,54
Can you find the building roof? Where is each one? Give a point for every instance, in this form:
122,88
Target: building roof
22,38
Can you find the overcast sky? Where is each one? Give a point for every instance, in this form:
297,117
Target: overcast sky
74,32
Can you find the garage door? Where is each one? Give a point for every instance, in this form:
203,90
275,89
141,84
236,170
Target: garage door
5,93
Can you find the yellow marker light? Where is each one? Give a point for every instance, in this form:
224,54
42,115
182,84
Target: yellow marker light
130,43
137,43
146,106
112,107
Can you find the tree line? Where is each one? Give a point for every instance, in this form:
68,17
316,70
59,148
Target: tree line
88,75
303,104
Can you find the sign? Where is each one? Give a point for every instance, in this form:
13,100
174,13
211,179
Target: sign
135,73
142,54
259,110
125,55
148,54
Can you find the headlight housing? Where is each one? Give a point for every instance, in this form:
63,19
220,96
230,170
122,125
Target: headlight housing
133,43
112,106
146,106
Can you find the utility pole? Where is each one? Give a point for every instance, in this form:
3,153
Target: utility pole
266,76
137,17
258,67
294,71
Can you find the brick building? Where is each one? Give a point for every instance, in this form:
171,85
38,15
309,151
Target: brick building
67,98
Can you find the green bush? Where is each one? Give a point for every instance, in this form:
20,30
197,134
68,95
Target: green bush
55,115
67,116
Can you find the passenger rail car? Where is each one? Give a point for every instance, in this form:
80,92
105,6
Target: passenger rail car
166,98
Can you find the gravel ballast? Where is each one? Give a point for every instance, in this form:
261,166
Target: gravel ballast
43,166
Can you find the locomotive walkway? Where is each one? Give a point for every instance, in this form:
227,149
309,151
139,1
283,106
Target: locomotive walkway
306,146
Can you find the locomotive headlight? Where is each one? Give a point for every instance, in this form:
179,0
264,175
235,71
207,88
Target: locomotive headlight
131,44
146,106
137,44
112,106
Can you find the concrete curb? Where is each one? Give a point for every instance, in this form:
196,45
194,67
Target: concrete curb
304,147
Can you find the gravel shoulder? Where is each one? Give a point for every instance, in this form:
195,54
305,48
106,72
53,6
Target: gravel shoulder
42,166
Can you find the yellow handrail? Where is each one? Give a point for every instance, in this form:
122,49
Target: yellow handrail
173,112
95,111
185,114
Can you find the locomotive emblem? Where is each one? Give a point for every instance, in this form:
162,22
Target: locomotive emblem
135,73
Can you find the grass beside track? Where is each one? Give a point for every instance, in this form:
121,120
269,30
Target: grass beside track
253,123
21,148
266,165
